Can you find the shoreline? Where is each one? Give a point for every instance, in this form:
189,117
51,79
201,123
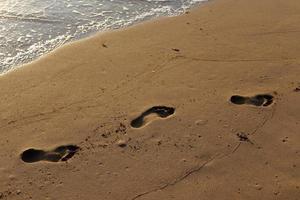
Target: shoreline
94,33
199,106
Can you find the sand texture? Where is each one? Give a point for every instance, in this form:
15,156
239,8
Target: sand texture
200,106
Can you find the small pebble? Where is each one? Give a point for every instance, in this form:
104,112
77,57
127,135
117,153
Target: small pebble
200,122
122,143
12,177
258,187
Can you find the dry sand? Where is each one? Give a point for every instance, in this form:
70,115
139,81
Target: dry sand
88,92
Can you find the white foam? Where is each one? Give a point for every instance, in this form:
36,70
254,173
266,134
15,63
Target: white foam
31,28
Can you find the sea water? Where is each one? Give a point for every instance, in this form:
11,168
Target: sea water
31,28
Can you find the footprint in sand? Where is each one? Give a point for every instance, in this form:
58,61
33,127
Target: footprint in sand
61,153
160,111
257,100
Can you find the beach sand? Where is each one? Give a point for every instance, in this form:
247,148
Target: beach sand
166,109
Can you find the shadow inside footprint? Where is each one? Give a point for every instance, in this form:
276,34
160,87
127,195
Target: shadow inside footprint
257,100
61,153
161,111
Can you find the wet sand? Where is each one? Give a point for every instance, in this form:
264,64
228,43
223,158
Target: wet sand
200,106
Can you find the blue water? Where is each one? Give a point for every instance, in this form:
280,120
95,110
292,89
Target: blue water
31,28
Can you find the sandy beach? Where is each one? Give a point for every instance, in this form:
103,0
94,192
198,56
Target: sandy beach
200,106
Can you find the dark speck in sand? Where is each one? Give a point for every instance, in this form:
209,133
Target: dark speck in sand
243,137
177,50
